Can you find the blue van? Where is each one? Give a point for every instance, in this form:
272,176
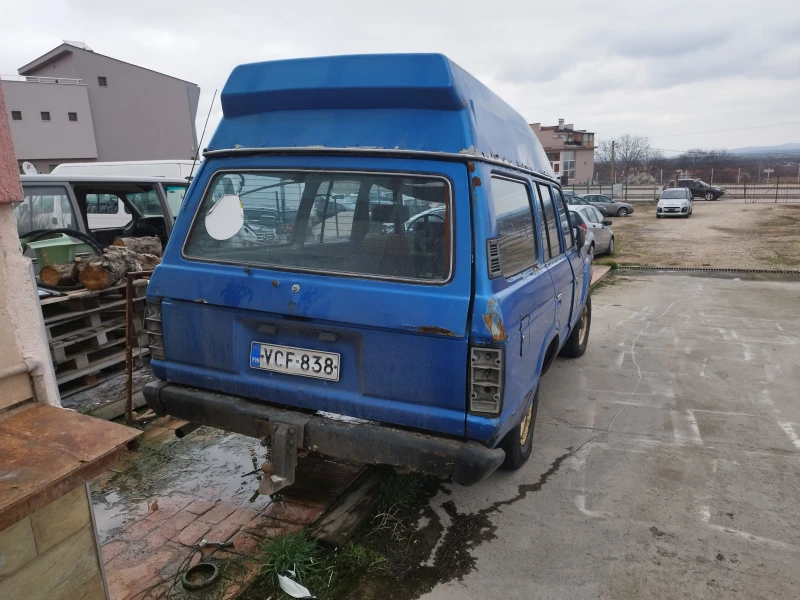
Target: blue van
417,273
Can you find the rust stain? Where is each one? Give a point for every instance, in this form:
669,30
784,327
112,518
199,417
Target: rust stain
493,322
435,329
471,167
274,283
476,181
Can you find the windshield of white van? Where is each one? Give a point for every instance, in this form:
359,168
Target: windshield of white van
375,225
44,207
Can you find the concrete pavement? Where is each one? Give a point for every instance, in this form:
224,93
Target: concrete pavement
666,461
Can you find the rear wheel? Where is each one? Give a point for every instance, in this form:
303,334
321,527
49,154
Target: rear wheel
591,253
622,212
611,247
518,442
579,338
710,196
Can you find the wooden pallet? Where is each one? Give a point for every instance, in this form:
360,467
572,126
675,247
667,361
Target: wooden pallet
86,332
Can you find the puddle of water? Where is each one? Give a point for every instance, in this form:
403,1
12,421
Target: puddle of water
211,464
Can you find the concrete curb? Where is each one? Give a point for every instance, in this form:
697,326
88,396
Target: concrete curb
599,272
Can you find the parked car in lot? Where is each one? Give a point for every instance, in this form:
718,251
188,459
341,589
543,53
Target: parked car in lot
589,243
699,188
608,206
676,202
431,309
600,228
576,200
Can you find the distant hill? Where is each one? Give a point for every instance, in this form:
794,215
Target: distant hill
791,148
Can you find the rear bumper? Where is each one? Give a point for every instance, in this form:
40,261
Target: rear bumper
371,443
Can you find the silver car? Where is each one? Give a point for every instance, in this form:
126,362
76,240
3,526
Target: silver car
589,243
599,226
675,202
608,206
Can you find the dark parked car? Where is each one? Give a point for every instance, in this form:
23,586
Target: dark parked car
608,206
699,188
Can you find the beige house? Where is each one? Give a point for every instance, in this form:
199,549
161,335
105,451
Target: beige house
570,150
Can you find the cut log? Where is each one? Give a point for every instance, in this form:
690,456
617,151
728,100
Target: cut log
58,274
100,272
142,245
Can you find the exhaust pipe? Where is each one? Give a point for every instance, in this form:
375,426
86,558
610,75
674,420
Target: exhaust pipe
185,429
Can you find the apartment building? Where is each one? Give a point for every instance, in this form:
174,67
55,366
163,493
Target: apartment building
73,104
570,150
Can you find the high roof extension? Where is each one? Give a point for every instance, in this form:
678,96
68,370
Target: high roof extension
393,102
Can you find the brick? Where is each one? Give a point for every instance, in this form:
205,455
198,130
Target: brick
242,516
223,531
217,514
231,592
127,577
193,533
113,549
138,529
17,547
60,519
290,511
246,544
168,506
91,589
56,572
199,507
264,527
179,520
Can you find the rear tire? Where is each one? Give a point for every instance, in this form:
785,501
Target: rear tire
710,196
518,448
591,254
622,212
579,338
610,251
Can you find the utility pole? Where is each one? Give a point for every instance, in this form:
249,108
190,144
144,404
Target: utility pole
613,168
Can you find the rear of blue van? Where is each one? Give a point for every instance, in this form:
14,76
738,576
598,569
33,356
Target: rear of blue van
344,304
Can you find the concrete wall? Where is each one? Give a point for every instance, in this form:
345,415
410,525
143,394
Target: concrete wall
22,336
35,139
53,553
140,115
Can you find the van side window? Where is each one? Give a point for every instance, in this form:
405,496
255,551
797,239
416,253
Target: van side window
551,245
102,204
563,216
516,238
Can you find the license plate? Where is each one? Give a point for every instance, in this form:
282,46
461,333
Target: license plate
295,361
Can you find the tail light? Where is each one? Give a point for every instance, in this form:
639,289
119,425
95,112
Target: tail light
584,227
152,325
486,380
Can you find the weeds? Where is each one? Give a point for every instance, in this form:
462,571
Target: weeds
294,552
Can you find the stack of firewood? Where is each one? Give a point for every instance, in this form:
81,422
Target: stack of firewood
99,272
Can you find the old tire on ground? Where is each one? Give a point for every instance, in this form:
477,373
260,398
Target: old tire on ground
579,338
518,442
622,212
710,196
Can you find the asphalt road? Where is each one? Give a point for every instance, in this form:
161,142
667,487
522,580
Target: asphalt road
666,460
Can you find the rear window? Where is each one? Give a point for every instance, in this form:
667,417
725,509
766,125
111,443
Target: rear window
515,234
374,225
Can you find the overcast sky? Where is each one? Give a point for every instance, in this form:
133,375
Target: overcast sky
610,67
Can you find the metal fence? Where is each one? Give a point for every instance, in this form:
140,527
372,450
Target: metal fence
754,193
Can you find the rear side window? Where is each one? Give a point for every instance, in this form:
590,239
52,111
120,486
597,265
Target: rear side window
102,204
551,245
375,225
44,207
563,217
515,232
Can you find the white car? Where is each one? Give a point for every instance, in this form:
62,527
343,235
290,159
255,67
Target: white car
675,202
589,241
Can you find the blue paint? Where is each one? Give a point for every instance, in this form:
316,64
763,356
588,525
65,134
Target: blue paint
394,101
404,347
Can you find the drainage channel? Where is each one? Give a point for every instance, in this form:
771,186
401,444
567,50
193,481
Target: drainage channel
708,270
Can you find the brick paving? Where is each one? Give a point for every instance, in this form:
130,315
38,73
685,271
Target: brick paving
147,557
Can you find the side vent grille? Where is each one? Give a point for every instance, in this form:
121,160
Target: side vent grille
493,255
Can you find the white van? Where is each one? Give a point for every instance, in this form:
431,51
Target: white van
174,169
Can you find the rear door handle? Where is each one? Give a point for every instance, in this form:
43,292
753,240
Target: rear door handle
558,298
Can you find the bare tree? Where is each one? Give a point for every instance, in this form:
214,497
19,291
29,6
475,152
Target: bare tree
693,159
630,151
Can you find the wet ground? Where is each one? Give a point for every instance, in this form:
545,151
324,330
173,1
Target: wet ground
208,464
666,461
